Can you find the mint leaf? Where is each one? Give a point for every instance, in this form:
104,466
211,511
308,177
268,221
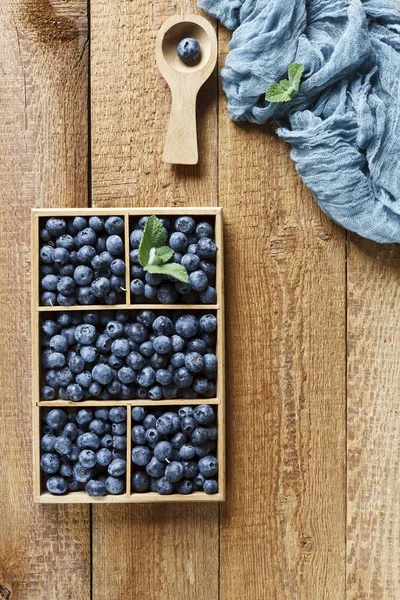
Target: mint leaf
295,72
275,93
284,90
172,269
154,236
164,253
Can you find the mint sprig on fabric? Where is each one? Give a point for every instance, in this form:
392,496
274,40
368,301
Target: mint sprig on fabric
154,255
285,89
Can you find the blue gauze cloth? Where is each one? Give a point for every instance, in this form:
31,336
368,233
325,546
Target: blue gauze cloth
344,123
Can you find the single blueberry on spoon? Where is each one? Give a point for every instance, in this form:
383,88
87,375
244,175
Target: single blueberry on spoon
188,50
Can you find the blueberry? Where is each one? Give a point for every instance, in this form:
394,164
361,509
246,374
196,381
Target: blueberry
152,436
96,223
208,466
146,377
50,327
101,413
89,354
110,298
114,485
178,360
155,468
204,230
174,471
153,279
117,467
166,294
64,377
64,300
70,430
100,286
164,377
117,414
50,463
86,237
198,280
142,222
47,254
87,458
140,481
81,473
184,487
86,254
191,262
183,378
164,425
146,349
103,374
139,435
114,225
88,440
185,225
75,392
60,256
58,343
170,391
155,393
187,326
114,245
164,486
103,457
78,224
56,226
56,485
84,416
50,282
201,385
141,455
206,248
136,238
137,287
178,439
204,414
210,486
163,326
208,323
56,418
45,235
48,299
192,248
66,286
194,362
209,362
159,361
163,450
83,275
73,484
150,291
199,436
135,360
65,470
95,487
190,469
188,50
67,271
187,452
188,425
208,296
69,334
47,392
106,441
103,344
47,442
149,420
118,267
177,257
137,333
162,344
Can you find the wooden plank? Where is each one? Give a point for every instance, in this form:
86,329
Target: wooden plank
373,554
44,551
283,524
170,551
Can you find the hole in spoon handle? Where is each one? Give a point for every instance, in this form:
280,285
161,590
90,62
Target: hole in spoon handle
181,141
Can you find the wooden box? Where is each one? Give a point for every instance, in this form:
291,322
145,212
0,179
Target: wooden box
39,312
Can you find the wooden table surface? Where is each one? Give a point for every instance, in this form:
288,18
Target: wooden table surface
313,342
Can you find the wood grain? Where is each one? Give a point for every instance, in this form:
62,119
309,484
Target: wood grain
163,551
283,524
373,555
44,551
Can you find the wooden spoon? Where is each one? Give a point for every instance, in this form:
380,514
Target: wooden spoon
184,81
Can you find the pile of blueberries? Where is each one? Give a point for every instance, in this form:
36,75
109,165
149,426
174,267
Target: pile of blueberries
82,261
84,449
128,354
194,248
176,451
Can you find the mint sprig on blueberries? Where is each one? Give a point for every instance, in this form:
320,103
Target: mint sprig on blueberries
285,89
154,255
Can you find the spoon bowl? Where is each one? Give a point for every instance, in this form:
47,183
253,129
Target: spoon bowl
184,81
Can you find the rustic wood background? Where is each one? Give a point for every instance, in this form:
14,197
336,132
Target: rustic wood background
313,341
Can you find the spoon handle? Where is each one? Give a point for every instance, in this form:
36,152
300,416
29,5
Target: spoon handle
181,141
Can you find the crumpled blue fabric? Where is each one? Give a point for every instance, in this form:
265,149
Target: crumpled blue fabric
344,123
